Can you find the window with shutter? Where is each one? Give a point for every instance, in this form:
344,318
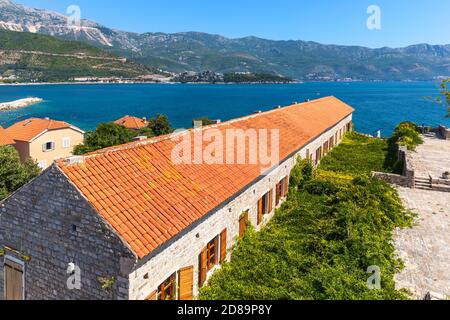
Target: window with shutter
186,281
14,280
48,146
167,290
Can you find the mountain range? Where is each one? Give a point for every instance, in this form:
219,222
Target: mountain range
195,51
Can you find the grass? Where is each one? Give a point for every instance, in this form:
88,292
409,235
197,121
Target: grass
325,237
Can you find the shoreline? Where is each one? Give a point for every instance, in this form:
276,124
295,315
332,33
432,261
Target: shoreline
200,83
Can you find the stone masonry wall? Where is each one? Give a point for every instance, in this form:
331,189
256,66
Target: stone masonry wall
53,225
183,251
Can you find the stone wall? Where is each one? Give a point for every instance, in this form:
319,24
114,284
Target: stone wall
183,251
444,132
407,178
49,222
391,178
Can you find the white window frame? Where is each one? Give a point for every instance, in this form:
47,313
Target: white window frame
43,164
18,261
66,142
48,150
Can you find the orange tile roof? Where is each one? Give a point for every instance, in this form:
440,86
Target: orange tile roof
132,122
148,199
5,139
27,130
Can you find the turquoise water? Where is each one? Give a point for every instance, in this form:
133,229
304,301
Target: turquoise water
378,105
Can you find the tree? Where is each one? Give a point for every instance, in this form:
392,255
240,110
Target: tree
446,93
106,135
160,125
204,120
113,134
13,173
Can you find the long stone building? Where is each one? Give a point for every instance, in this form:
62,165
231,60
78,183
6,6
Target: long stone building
138,221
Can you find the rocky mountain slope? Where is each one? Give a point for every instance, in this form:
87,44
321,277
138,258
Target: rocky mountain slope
193,51
27,57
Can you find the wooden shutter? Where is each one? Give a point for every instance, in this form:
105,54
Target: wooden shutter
202,268
186,280
223,246
279,193
243,222
270,200
286,186
260,211
13,281
151,296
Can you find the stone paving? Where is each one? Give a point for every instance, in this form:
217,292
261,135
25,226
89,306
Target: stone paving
431,158
425,249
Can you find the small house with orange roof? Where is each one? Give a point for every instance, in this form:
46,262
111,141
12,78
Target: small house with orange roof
146,222
132,123
44,140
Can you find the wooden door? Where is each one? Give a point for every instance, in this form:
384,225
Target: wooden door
14,286
186,288
243,223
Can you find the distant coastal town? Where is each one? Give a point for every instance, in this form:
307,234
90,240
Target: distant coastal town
205,77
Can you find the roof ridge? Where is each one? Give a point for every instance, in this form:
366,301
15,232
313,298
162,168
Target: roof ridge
152,140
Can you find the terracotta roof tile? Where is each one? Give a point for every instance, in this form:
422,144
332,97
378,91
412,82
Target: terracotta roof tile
5,139
27,130
148,199
132,122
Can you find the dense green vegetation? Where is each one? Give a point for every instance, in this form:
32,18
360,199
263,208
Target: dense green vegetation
337,223
359,154
112,134
22,57
14,174
407,134
254,78
36,42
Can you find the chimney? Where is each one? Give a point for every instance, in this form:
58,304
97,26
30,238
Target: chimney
140,138
74,160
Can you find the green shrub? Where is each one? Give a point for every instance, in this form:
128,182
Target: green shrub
321,187
301,173
13,173
407,134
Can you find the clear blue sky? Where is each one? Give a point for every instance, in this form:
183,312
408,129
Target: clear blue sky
404,22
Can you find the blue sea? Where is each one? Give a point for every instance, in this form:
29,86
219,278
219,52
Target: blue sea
379,105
